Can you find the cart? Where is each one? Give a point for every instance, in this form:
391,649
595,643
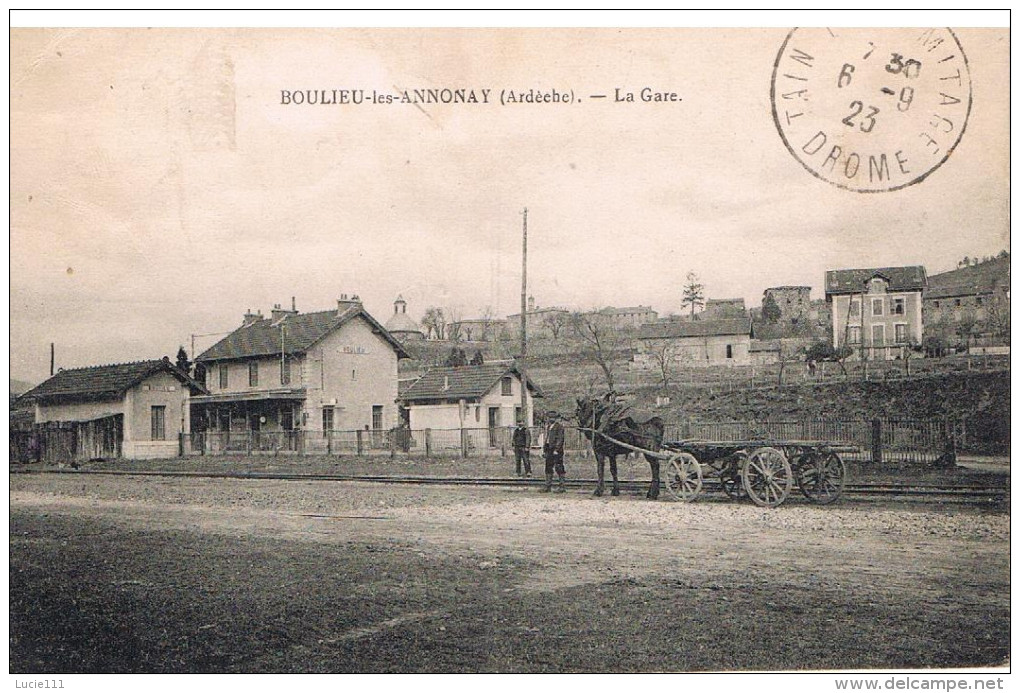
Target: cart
762,470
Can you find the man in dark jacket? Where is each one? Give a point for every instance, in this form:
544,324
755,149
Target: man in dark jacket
553,449
522,448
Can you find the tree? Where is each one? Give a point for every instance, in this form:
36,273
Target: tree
666,356
555,322
183,363
694,293
967,328
477,359
199,374
787,355
770,311
457,357
434,322
454,327
600,342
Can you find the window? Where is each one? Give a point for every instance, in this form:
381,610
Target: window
285,371
877,306
729,351
855,308
253,374
901,333
158,422
854,335
377,416
354,374
224,376
878,335
898,306
507,385
327,420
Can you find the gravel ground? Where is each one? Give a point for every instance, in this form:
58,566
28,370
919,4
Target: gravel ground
492,579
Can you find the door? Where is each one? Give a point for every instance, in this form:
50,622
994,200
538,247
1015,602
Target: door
493,427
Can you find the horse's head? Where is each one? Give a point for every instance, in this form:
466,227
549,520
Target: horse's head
589,411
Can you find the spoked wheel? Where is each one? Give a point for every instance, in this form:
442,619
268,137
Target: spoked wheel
730,479
767,477
821,476
683,477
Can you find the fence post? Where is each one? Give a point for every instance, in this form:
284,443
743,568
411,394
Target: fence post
950,454
876,441
329,442
428,443
360,443
463,442
180,444
502,443
393,443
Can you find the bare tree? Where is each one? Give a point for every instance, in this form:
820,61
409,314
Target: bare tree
453,326
600,342
434,322
787,355
694,293
556,321
666,356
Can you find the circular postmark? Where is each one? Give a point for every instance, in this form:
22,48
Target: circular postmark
871,110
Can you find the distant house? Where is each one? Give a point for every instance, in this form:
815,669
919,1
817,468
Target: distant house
699,343
542,322
332,370
630,316
876,312
400,324
794,302
484,396
723,308
977,294
132,410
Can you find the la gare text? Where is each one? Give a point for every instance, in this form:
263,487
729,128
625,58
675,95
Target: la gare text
476,96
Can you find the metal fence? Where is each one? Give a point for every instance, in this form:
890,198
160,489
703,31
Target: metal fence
926,441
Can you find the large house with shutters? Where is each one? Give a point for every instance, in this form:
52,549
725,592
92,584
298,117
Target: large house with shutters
132,410
876,312
332,370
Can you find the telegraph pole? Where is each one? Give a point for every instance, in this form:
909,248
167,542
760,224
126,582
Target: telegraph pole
524,322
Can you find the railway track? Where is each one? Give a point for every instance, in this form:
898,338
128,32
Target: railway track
913,490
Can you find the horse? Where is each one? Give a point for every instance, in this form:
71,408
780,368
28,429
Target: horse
596,414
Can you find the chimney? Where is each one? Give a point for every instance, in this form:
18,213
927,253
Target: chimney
345,303
531,304
279,313
250,318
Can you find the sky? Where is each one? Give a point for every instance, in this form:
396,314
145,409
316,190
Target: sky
159,187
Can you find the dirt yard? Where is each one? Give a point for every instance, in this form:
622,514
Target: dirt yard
118,574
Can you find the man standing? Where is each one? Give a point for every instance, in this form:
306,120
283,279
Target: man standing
553,450
522,448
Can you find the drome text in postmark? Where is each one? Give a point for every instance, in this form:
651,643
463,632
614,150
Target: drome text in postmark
871,110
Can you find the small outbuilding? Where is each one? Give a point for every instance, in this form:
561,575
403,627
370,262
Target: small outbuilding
132,410
465,397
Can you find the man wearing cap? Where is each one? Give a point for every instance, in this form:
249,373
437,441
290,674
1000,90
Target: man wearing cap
522,448
553,450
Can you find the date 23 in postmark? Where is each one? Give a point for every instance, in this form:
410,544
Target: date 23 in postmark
871,110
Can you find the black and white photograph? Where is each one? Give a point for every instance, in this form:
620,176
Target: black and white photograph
510,343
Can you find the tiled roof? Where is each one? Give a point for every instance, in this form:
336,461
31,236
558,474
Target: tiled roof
983,278
461,382
675,329
103,381
910,278
263,337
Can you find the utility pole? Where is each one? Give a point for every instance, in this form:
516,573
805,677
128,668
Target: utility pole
524,322
52,358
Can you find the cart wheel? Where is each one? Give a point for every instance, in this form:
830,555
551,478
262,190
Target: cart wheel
821,477
683,477
767,477
730,479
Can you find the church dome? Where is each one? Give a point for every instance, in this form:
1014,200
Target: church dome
400,324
